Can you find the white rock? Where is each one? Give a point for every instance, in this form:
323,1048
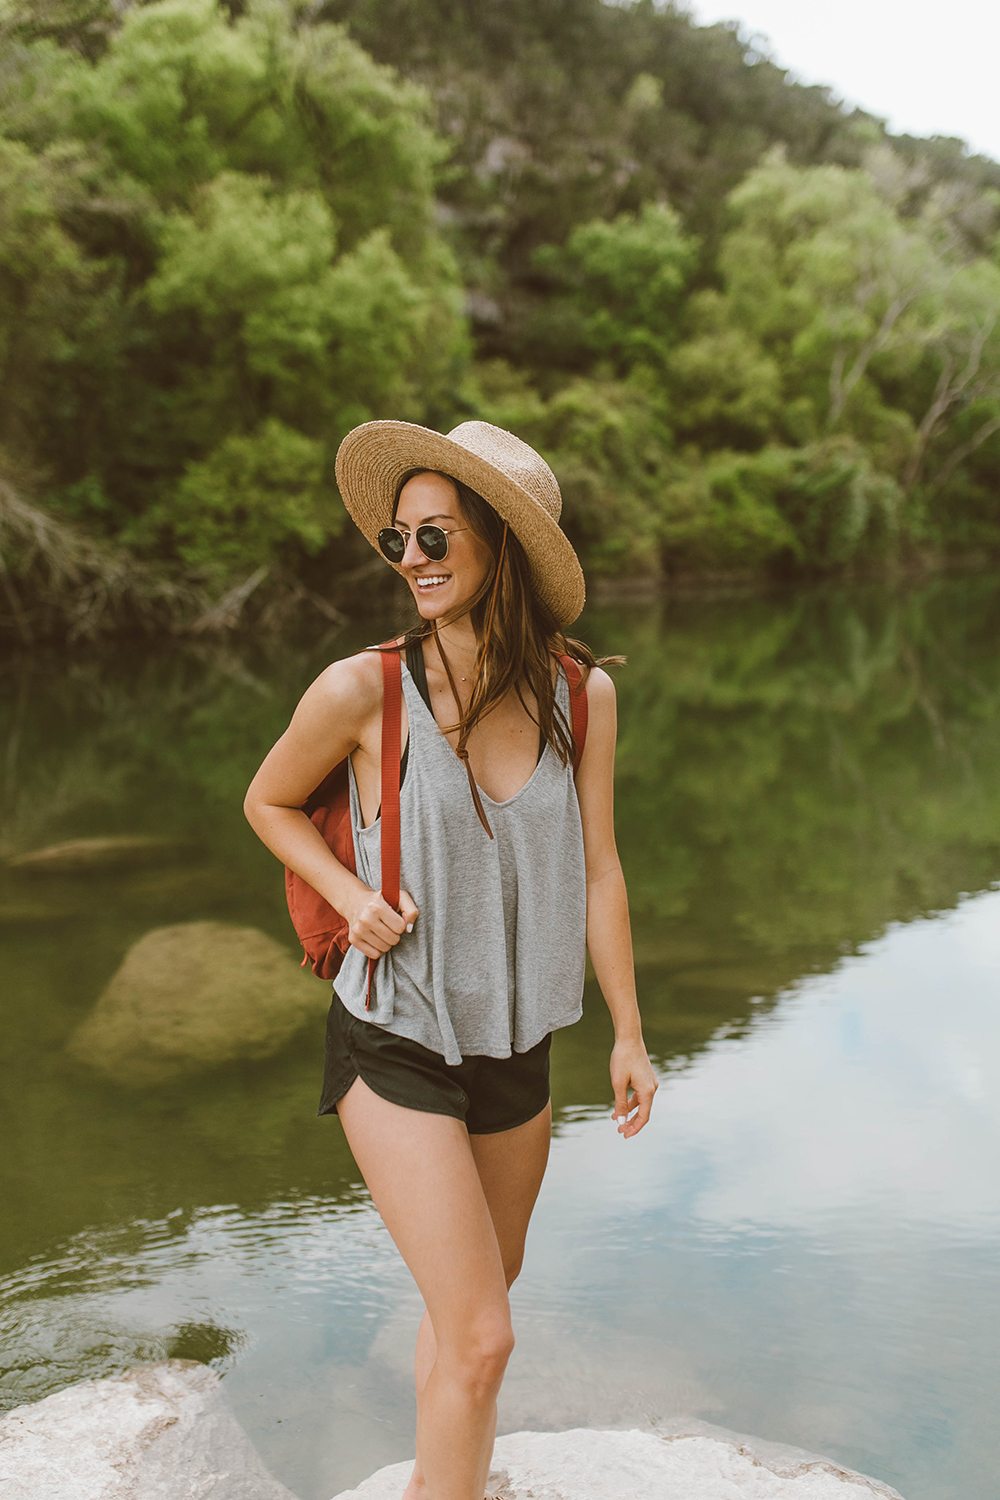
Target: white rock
164,1432
157,1433
587,1464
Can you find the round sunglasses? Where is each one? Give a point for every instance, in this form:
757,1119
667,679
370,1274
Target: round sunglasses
432,541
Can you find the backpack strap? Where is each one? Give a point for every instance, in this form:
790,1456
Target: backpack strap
392,719
578,708
391,728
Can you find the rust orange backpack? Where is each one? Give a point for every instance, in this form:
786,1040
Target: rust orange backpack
321,929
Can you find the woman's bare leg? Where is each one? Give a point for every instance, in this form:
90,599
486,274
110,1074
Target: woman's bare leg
511,1165
423,1177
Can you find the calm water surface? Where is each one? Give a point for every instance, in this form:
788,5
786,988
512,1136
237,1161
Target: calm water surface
804,1244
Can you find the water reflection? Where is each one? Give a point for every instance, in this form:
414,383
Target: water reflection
812,1222
889,1069
803,1246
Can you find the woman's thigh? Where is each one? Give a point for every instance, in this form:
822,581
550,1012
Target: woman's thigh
511,1165
422,1175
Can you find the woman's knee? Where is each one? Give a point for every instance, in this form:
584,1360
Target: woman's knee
479,1359
487,1357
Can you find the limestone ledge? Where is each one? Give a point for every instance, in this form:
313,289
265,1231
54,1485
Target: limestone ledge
695,1462
164,1432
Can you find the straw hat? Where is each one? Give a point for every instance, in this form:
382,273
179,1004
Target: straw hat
512,477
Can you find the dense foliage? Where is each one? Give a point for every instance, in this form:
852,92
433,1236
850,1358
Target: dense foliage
218,254
748,329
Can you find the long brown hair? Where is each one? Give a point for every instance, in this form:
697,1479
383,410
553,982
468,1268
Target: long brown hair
516,652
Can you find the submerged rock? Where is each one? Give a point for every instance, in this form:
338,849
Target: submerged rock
196,995
688,1464
80,856
161,1432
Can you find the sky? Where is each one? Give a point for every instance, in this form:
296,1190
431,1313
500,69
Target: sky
927,68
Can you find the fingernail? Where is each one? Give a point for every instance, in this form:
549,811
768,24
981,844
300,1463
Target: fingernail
409,926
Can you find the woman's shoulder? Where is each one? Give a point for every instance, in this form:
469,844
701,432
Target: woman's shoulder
602,711
600,688
350,687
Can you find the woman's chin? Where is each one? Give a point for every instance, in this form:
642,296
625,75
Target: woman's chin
433,606
429,609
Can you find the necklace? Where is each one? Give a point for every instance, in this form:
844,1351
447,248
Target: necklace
460,749
440,640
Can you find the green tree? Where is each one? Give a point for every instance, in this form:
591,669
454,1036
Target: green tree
51,293
83,25
252,496
826,277
725,391
252,217
863,354
962,355
609,446
617,288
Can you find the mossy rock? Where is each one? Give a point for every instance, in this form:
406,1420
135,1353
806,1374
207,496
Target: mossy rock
196,995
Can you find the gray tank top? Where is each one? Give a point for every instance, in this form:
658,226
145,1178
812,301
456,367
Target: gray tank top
496,958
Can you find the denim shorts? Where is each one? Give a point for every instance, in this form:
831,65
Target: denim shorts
488,1094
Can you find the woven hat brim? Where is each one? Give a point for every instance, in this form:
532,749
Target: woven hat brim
374,457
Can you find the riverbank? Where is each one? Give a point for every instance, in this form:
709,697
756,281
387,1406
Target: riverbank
75,590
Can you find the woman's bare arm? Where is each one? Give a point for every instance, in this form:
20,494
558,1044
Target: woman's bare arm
609,936
339,715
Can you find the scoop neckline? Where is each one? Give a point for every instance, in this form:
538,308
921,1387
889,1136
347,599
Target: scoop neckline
484,794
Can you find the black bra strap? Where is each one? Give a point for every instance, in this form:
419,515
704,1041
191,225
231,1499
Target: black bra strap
417,670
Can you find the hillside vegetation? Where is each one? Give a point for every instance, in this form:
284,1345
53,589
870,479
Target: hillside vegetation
750,331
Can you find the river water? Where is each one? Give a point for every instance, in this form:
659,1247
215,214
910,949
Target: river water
805,1242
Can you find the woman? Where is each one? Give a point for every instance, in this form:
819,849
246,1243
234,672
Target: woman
440,1073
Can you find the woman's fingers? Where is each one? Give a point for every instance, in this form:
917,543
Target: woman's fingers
634,1083
623,1108
376,928
642,1102
631,1116
366,948
407,910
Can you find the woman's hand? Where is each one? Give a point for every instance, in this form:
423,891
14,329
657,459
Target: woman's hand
634,1083
372,925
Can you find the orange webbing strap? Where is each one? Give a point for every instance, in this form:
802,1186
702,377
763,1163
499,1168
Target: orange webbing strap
391,730
392,719
578,708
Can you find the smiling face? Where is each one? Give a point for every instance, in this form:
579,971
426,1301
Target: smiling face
440,588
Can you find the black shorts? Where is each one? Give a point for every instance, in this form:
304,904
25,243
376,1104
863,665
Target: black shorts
489,1094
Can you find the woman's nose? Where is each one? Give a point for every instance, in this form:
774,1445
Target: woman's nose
412,555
